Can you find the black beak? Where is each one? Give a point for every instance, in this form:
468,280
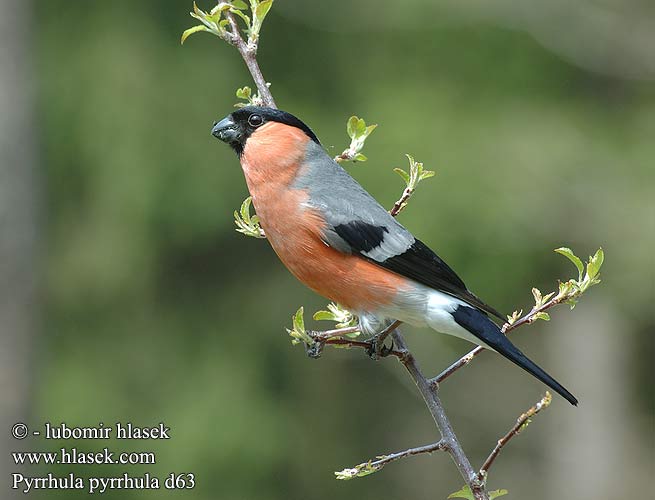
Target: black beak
226,130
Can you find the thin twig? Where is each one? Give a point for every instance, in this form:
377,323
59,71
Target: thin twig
363,345
514,431
433,402
371,466
324,335
248,53
449,441
507,327
335,337
402,202
429,448
345,156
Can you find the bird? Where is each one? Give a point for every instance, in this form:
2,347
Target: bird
334,237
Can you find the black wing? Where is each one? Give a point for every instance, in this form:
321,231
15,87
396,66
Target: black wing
416,262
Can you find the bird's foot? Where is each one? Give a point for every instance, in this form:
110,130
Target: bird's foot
314,350
378,349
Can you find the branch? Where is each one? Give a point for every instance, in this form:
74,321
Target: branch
402,202
569,293
366,468
415,175
325,335
248,53
358,131
213,22
521,423
432,401
315,341
367,346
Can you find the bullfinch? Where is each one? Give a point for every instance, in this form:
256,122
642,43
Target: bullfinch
340,242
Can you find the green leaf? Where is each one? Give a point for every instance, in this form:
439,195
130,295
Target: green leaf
323,316
356,127
542,315
239,4
402,174
566,287
248,224
358,132
465,492
220,7
211,20
299,320
511,319
351,127
568,253
298,334
245,209
426,174
595,263
360,470
191,31
245,18
215,16
414,171
360,129
537,296
244,93
262,9
342,317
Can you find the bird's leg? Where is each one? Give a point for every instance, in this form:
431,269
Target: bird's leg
377,349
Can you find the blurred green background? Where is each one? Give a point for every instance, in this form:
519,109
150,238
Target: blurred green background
143,304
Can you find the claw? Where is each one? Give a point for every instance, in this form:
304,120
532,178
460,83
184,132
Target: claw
385,351
372,350
377,350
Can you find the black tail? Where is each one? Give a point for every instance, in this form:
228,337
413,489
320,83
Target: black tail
488,332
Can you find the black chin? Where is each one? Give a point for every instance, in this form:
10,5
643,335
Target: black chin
237,147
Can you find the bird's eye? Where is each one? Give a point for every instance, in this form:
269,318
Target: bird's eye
255,120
